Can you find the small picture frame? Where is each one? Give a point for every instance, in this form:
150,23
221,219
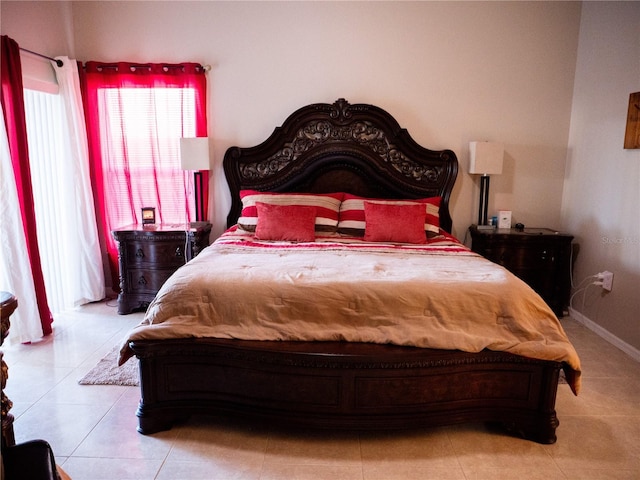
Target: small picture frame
504,219
148,215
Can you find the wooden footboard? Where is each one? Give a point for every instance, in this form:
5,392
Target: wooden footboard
344,385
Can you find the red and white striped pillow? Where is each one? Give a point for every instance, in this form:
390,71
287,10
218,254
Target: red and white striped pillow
327,207
352,218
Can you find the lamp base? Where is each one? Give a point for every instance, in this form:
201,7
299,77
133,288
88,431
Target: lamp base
484,201
197,182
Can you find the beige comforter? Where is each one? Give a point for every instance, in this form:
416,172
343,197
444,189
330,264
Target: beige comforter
438,296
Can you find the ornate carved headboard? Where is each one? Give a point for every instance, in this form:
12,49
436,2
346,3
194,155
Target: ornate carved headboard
359,149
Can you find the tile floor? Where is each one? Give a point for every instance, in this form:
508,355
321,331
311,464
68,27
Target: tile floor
92,428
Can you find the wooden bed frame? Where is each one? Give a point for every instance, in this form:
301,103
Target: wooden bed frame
359,149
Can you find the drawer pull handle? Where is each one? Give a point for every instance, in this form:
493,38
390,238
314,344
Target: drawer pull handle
179,252
142,280
139,253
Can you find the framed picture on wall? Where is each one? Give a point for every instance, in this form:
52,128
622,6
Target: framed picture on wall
632,134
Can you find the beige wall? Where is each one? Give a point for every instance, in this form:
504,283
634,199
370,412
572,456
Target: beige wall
450,72
601,204
45,27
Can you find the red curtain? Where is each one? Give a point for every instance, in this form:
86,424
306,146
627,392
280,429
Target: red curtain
136,115
13,109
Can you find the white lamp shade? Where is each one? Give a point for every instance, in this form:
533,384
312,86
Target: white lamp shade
194,153
486,158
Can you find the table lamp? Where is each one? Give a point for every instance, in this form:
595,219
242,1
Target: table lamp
485,159
194,155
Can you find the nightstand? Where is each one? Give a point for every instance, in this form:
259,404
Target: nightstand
149,254
539,256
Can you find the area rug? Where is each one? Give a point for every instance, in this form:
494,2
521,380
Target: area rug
107,371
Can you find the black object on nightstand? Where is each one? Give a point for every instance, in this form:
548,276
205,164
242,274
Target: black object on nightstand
539,256
148,255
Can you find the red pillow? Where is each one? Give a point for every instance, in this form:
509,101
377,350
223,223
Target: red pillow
394,223
292,223
352,221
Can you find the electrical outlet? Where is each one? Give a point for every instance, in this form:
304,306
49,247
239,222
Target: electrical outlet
607,280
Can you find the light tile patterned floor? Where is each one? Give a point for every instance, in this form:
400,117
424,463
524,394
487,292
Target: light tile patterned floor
92,428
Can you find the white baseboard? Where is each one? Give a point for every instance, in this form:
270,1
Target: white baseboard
605,334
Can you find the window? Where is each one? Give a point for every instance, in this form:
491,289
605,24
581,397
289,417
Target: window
140,152
136,115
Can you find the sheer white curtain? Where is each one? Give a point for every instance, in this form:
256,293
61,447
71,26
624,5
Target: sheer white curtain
63,200
86,266
15,271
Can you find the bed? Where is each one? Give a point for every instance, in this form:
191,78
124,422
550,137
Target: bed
340,330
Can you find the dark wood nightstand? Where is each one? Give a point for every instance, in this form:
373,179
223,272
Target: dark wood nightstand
539,256
149,254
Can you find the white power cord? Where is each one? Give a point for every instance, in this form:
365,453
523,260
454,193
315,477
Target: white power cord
581,287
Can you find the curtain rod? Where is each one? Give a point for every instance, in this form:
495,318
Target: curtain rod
206,68
59,63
